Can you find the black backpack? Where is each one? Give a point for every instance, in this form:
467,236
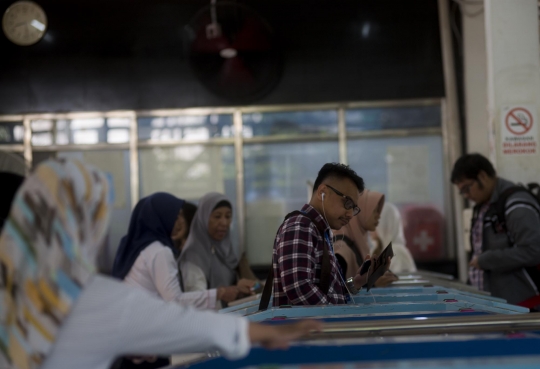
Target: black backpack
497,214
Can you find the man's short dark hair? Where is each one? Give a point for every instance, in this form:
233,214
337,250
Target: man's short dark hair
339,171
469,166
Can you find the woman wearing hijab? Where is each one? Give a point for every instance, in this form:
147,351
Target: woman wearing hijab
390,229
352,242
146,257
58,313
209,259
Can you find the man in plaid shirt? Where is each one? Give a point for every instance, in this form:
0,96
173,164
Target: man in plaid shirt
298,247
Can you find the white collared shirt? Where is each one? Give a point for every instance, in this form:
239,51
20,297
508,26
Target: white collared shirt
156,271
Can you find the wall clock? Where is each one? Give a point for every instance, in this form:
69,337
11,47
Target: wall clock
24,23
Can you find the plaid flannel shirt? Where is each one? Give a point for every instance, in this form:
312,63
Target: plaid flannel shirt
297,260
476,276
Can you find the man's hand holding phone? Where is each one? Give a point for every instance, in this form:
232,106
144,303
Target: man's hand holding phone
361,277
373,268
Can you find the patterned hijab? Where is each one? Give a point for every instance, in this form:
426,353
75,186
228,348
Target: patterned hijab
217,259
48,253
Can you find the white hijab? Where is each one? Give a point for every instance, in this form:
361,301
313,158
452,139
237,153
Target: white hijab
390,229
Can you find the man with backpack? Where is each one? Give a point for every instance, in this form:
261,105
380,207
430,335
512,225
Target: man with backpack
305,270
505,232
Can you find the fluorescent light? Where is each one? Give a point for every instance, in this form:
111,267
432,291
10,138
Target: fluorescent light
365,30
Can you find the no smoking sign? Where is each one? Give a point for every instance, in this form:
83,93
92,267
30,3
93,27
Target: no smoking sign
519,130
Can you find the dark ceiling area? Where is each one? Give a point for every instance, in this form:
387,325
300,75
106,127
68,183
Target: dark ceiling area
118,54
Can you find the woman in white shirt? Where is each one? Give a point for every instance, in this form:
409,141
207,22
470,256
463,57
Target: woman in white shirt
146,257
58,313
209,259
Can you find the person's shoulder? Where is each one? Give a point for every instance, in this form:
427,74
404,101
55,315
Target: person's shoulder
297,221
518,193
157,248
522,196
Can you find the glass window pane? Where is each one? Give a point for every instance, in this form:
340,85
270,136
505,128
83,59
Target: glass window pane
189,172
374,119
84,131
88,131
42,125
118,122
276,177
42,138
290,123
410,172
185,127
42,132
11,133
120,135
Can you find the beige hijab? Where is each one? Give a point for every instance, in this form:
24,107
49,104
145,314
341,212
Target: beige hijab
368,202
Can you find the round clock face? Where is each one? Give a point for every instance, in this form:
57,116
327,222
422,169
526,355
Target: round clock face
24,23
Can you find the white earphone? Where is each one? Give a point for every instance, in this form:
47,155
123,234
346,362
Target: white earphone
323,196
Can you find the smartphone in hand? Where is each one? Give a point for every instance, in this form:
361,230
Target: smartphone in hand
365,267
379,266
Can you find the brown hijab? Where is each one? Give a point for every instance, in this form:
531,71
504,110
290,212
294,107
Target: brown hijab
368,202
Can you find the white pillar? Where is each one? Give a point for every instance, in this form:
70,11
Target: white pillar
475,78
513,81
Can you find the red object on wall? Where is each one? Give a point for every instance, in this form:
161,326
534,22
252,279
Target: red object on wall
424,232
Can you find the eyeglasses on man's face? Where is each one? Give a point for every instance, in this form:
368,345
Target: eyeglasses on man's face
466,189
348,203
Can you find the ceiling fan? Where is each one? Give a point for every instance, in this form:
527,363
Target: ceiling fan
233,51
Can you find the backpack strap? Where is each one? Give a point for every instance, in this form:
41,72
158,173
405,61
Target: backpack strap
497,210
326,268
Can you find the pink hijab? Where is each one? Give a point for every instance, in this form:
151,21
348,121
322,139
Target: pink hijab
368,201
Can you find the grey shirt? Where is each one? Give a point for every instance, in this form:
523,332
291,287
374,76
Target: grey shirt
505,256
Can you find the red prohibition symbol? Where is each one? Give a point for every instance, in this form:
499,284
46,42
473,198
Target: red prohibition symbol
519,121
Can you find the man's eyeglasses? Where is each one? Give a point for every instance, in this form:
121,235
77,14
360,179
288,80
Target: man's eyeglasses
464,190
348,203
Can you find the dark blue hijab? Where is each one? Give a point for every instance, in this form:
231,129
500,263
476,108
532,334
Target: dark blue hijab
152,220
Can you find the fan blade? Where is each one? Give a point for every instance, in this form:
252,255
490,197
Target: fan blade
252,36
236,75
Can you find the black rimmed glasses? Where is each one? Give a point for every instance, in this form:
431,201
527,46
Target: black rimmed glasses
464,190
348,203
